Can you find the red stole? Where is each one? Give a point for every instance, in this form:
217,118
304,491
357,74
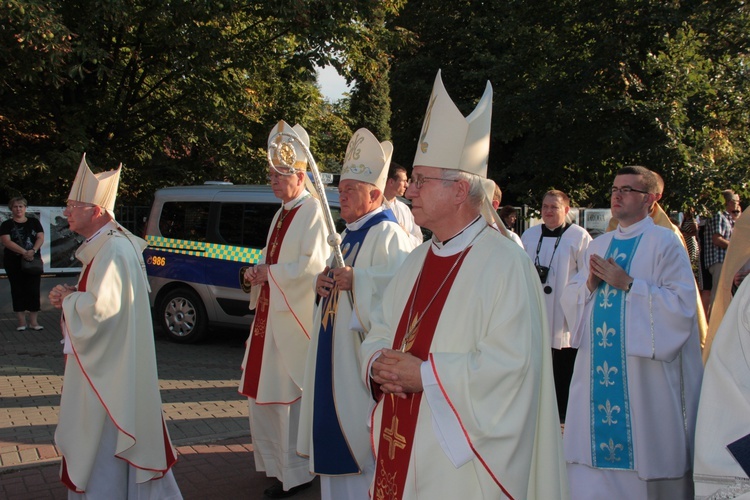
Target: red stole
399,419
258,331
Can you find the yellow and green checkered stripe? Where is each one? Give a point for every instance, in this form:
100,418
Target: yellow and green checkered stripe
210,250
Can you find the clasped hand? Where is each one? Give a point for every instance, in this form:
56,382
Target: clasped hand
58,294
343,277
601,269
397,372
257,275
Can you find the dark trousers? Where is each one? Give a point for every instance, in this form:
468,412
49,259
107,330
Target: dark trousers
24,288
563,361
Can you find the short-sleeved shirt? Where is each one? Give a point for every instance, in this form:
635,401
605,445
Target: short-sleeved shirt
21,233
722,224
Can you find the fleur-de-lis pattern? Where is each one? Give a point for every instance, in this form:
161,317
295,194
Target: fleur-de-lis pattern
611,448
605,332
611,438
606,371
609,410
607,292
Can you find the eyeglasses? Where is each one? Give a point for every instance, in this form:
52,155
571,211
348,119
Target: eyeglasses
71,206
419,181
736,211
626,190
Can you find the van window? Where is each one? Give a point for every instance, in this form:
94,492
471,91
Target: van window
184,220
245,224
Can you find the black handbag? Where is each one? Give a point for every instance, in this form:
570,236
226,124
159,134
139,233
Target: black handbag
34,267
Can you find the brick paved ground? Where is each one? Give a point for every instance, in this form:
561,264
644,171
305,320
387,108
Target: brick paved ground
206,417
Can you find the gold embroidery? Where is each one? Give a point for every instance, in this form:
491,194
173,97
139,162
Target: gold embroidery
411,334
395,440
423,145
259,330
385,485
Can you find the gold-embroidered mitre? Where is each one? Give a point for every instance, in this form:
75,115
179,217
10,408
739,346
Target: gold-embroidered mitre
285,146
450,141
97,189
367,159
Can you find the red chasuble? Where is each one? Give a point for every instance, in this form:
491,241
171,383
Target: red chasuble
414,335
258,332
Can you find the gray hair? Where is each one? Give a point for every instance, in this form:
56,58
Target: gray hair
476,189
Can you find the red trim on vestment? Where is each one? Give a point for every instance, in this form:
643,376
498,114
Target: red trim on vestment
251,373
463,429
288,305
168,450
415,332
279,402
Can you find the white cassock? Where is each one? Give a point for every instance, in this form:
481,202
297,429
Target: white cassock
406,219
379,256
111,431
724,410
274,414
563,262
664,369
487,426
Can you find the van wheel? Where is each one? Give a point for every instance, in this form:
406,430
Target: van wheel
183,316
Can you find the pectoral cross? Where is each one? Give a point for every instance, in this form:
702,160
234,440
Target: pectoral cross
411,334
395,440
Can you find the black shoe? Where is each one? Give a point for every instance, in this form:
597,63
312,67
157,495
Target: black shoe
277,490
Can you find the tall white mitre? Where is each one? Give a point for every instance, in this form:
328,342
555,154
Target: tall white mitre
96,189
450,141
285,146
367,159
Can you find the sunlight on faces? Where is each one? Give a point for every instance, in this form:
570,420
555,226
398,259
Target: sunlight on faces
429,203
554,211
632,207
286,185
357,199
399,183
80,216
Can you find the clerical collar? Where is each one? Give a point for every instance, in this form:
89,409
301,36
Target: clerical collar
634,229
554,233
361,221
460,240
101,229
296,201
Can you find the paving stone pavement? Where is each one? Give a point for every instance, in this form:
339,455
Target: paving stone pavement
206,417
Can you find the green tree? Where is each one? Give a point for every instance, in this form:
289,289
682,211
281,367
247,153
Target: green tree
582,88
180,91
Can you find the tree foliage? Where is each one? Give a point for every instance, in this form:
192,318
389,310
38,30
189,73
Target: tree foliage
584,87
180,91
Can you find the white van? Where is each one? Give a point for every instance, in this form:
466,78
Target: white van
201,238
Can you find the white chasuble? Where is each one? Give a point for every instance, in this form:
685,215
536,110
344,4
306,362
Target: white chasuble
490,356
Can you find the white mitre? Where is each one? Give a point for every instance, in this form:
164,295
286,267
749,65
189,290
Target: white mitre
96,189
450,141
287,145
367,159
453,142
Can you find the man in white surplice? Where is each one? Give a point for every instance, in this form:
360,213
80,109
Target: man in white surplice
557,249
630,425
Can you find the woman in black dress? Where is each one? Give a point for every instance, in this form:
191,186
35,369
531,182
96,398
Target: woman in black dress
22,238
